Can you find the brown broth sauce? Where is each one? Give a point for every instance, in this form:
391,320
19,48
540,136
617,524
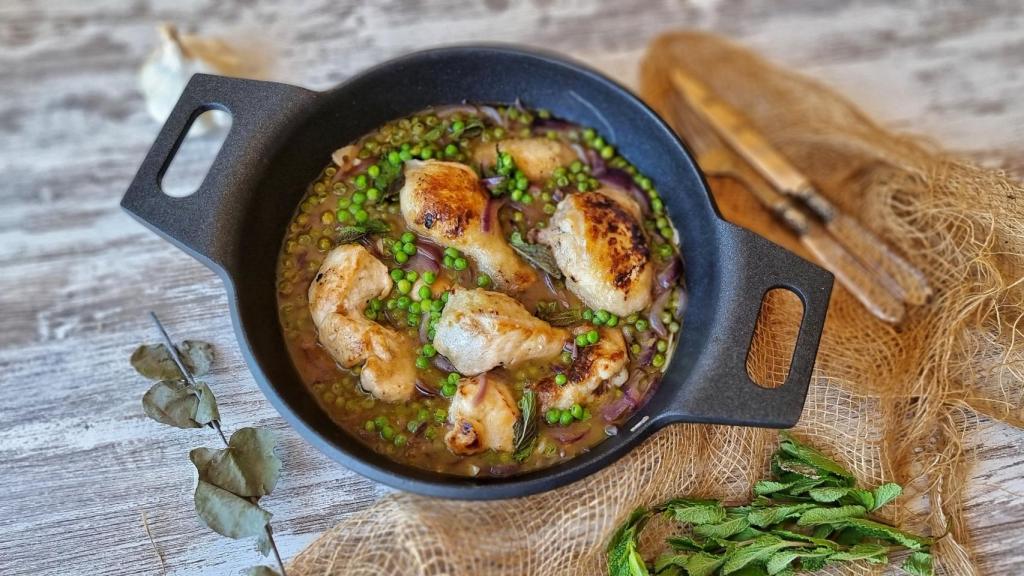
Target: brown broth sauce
417,428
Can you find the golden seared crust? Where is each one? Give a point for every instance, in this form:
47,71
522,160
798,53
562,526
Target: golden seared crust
595,368
627,251
451,199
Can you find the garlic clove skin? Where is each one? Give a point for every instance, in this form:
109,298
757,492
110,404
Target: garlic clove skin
168,69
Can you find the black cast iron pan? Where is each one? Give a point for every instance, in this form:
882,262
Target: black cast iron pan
282,135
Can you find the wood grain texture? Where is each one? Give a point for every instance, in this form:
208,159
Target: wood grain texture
79,462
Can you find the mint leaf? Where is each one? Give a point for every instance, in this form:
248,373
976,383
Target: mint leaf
886,532
780,561
812,457
918,564
886,493
623,557
722,529
819,542
828,493
703,564
537,254
874,553
863,497
837,515
685,544
765,517
757,551
764,487
695,511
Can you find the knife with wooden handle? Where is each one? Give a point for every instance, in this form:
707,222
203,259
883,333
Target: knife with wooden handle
897,275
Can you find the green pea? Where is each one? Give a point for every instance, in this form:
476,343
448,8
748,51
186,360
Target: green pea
662,345
632,318
422,415
527,199
561,379
361,216
589,134
360,181
444,297
575,167
415,307
373,194
635,348
457,127
641,324
550,208
408,237
394,158
588,314
565,418
517,195
566,357
404,286
403,302
460,264
448,262
451,252
597,321
370,313
453,377
424,292
397,274
449,389
387,432
451,150
593,336
401,257
414,425
581,340
369,426
405,155
552,416
612,322
380,421
576,411
602,315
431,333
343,216
674,327
436,306
429,278
483,280
429,351
409,248
422,363
412,275
400,440
658,361
657,205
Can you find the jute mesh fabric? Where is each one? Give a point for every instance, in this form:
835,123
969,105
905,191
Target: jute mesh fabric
890,402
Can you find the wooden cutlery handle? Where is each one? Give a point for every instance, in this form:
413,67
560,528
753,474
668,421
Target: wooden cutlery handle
900,276
860,281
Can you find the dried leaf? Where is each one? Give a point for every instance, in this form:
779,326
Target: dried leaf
154,361
263,543
206,410
228,514
557,315
247,467
172,402
537,254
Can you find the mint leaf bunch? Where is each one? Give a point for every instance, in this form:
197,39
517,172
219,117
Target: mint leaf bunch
808,515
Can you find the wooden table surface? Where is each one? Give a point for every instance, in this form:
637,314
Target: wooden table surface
80,464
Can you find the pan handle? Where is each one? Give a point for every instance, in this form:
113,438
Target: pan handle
260,111
719,388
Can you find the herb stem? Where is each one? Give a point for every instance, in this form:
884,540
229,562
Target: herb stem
173,352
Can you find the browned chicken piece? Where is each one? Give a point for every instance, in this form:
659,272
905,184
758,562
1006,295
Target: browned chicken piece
483,415
596,365
480,330
536,157
349,278
445,202
599,244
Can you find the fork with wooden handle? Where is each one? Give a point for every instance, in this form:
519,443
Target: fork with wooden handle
848,270
894,274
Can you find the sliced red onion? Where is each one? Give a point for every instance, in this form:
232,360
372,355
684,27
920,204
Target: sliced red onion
581,153
422,262
669,276
655,315
429,250
555,292
615,409
597,165
553,124
622,180
425,389
493,114
425,328
681,303
443,364
446,111
491,212
570,434
643,359
481,389
572,348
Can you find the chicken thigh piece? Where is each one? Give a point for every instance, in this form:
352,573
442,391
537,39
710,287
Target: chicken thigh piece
483,415
349,278
479,330
445,202
536,157
603,363
599,244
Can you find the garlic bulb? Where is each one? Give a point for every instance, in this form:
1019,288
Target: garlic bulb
168,69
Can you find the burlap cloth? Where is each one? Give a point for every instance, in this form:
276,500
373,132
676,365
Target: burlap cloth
891,402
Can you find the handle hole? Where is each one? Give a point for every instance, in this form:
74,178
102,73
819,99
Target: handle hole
195,155
775,333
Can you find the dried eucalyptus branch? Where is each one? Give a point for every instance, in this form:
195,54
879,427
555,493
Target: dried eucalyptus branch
231,480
